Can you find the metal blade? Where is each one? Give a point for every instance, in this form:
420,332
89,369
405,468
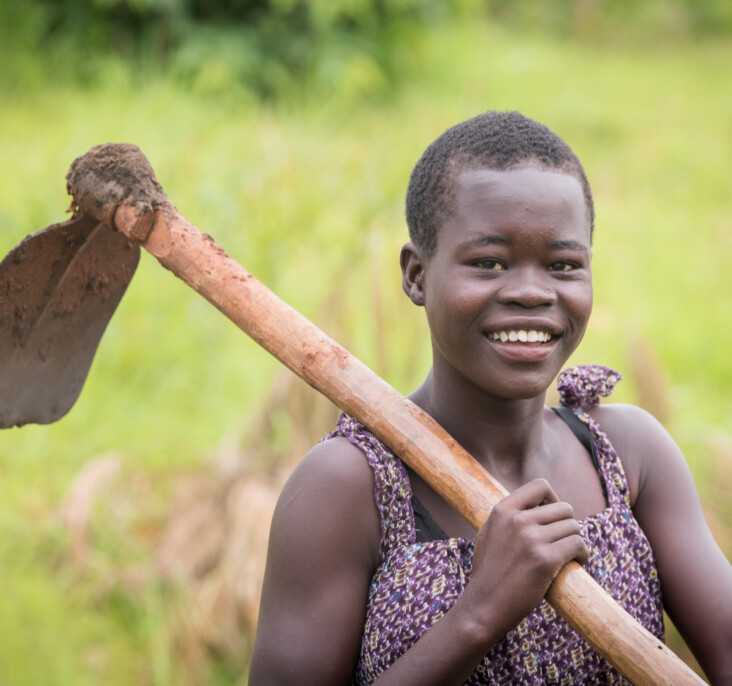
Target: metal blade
58,290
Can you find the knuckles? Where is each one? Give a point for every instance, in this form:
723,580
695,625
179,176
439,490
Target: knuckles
583,552
544,485
568,510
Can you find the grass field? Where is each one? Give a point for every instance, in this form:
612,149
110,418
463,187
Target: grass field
308,196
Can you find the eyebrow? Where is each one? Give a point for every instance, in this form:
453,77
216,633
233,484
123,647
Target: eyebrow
487,239
569,245
497,239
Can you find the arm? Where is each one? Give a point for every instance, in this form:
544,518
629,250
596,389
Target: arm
696,578
324,550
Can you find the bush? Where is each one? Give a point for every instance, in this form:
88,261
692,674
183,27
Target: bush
264,45
269,47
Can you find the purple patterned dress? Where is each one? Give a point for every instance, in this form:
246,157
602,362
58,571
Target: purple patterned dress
417,583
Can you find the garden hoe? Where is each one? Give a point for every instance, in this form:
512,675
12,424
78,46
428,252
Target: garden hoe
59,288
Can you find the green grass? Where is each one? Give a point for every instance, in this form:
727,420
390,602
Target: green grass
308,195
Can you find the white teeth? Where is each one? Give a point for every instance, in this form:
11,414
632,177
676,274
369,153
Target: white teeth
532,336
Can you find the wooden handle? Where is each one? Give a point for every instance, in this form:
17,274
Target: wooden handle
405,428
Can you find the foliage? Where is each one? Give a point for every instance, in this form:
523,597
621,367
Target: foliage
274,47
307,193
268,46
618,19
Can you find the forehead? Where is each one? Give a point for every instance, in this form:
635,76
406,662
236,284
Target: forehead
527,197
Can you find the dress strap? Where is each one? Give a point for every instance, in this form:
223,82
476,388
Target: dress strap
580,389
392,489
584,435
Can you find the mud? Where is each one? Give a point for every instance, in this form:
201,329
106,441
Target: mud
30,274
53,317
103,267
60,286
108,174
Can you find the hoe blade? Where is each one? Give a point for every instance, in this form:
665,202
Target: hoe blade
58,289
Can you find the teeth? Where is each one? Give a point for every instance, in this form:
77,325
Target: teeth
521,335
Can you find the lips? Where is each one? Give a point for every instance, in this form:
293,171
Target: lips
524,343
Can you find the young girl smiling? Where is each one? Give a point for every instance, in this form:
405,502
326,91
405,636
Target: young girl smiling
373,578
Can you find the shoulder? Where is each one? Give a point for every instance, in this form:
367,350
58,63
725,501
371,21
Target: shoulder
661,478
329,498
693,570
650,457
335,460
629,427
323,551
641,442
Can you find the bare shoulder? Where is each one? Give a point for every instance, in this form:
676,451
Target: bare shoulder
658,474
629,426
335,461
323,550
693,570
331,492
642,443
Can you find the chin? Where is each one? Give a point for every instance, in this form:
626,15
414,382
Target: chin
526,388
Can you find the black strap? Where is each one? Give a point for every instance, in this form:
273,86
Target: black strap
427,528
584,436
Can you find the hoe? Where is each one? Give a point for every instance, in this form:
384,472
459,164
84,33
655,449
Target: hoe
60,286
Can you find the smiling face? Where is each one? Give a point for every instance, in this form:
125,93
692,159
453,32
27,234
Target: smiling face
508,291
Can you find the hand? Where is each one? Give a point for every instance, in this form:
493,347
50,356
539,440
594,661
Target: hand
528,538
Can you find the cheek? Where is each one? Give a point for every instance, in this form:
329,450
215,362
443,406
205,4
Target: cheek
457,311
580,303
449,320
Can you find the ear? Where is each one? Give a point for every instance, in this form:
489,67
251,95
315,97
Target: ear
412,264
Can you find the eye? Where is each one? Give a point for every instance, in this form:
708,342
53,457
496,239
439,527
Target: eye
563,266
490,263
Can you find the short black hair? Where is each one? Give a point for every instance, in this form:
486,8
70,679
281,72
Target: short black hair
492,140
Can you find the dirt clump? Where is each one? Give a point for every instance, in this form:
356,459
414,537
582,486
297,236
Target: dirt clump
110,173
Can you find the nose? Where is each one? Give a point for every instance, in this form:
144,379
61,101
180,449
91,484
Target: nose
527,288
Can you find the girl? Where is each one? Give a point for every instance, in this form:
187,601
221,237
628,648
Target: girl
372,578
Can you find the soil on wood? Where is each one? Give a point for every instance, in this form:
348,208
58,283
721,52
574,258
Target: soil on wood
110,173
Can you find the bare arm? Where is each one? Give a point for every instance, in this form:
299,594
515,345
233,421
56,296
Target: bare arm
324,550
696,578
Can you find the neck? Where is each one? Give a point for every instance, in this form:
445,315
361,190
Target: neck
503,435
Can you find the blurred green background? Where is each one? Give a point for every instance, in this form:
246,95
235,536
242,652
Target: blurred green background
287,129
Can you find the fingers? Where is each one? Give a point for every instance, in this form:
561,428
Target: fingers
572,547
555,525
566,537
533,494
556,540
534,515
527,539
554,512
563,528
